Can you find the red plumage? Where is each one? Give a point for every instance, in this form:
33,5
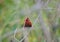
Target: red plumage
27,23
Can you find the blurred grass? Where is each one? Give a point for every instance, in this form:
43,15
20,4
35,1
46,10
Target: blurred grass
10,11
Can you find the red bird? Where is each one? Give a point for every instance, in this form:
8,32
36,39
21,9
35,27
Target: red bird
27,23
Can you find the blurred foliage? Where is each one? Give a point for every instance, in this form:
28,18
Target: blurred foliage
13,14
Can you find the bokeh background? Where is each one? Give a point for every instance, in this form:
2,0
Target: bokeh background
44,15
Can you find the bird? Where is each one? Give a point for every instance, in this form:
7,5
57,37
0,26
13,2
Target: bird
27,23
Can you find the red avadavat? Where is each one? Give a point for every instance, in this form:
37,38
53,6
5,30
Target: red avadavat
27,23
